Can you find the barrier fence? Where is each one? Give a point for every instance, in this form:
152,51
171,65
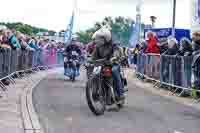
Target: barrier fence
16,61
174,71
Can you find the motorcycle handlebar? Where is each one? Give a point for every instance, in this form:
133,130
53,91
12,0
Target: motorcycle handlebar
99,62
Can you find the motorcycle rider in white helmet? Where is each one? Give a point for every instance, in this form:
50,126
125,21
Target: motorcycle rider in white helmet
105,50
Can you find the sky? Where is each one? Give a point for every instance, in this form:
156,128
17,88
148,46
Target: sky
55,14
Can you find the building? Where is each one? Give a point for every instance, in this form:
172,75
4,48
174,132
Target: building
195,15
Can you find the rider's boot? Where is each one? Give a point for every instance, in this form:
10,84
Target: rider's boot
122,97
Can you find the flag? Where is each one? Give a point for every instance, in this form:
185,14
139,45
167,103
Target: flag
69,31
136,27
135,36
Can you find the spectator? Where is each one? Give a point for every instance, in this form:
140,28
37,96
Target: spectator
196,61
143,46
196,43
4,40
172,46
185,47
13,41
125,54
135,54
152,44
32,44
163,45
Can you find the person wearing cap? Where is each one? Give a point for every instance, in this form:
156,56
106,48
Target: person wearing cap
105,50
185,47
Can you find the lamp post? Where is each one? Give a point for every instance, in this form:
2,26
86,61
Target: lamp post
174,18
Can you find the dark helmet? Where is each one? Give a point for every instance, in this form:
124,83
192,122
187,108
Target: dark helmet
185,44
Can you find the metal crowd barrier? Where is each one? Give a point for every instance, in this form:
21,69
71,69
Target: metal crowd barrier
149,66
174,71
16,61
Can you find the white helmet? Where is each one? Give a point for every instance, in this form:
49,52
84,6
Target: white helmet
103,32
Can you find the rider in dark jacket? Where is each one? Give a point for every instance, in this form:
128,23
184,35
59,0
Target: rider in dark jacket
105,50
71,48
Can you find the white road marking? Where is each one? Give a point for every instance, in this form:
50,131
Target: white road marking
177,132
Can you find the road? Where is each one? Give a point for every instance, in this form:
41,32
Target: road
62,108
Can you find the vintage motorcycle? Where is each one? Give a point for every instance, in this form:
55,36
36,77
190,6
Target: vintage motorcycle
72,65
100,87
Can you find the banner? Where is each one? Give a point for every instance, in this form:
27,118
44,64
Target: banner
166,32
68,33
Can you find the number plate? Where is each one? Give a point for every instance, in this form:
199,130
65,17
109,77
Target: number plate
97,70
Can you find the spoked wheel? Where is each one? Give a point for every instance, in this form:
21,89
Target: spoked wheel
95,98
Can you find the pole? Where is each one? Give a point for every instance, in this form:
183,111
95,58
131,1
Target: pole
174,18
138,10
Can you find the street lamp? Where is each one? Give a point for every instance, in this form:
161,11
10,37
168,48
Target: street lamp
174,18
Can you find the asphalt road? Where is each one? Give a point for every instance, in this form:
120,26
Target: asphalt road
62,108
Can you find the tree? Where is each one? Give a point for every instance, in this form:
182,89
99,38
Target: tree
121,30
85,37
153,20
26,29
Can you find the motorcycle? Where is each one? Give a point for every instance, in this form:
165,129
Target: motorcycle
71,66
88,66
100,89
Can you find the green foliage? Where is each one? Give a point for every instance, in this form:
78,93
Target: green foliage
85,37
26,29
121,29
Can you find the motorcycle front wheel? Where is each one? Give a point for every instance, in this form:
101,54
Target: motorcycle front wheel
95,97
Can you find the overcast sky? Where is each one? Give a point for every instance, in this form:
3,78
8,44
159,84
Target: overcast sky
55,14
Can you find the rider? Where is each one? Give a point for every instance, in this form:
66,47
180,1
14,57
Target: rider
73,47
106,50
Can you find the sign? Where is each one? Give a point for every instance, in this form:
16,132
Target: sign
166,32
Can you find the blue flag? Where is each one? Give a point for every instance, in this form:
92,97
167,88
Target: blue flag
69,31
135,36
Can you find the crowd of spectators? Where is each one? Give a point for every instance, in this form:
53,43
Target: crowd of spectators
48,51
171,47
168,46
13,39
